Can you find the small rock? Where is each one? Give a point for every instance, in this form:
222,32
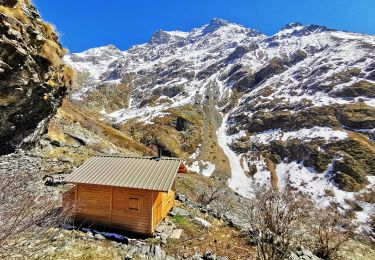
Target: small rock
43,142
164,238
209,256
66,159
197,256
99,237
156,252
181,212
204,210
307,252
293,256
89,234
57,143
202,222
161,227
180,197
176,234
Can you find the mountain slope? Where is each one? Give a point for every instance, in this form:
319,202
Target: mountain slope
296,109
33,79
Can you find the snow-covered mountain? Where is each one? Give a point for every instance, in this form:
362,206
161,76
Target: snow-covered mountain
295,109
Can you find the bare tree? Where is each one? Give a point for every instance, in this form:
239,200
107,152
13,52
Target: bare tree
24,209
210,194
282,221
276,218
330,230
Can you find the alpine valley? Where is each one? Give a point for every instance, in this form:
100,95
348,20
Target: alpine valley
292,114
295,109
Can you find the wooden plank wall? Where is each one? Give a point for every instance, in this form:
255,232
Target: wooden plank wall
68,198
109,206
136,221
168,202
163,202
94,204
157,208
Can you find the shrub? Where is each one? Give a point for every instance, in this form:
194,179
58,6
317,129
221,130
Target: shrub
330,230
27,211
282,221
210,194
275,220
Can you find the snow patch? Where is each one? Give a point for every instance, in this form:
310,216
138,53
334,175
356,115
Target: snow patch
205,168
238,181
305,134
320,188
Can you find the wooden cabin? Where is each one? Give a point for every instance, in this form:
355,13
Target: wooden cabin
129,193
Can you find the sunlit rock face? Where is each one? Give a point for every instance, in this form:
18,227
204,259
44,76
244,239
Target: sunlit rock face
33,79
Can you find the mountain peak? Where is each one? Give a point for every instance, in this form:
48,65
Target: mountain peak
291,25
218,22
298,29
162,37
159,37
215,24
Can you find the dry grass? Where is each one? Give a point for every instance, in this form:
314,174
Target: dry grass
53,52
345,76
84,249
189,113
69,75
368,196
220,239
15,12
164,131
363,141
50,31
54,132
91,122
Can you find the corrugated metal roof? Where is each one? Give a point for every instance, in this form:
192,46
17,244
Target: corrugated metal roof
130,172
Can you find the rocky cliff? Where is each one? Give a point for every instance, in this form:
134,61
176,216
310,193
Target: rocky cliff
33,80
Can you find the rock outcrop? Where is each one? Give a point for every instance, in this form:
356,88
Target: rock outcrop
33,80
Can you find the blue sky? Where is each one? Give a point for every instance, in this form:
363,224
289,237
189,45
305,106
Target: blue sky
85,24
